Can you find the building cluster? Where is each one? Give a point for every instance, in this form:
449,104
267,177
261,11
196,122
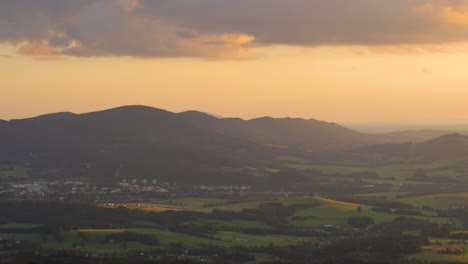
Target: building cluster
60,190
85,189
224,188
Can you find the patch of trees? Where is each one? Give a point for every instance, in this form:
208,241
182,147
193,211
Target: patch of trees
382,210
398,244
124,237
314,181
397,211
451,251
360,221
273,214
382,249
407,212
237,253
18,230
460,213
174,217
404,223
383,203
67,215
442,187
204,231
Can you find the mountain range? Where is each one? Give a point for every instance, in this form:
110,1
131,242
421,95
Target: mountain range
452,147
141,141
310,135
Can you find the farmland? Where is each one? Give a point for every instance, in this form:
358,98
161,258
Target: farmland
439,201
13,172
342,202
317,213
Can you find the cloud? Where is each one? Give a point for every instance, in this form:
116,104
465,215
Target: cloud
217,42
37,49
224,28
41,51
186,35
320,22
89,28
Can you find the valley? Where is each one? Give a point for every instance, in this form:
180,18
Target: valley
144,183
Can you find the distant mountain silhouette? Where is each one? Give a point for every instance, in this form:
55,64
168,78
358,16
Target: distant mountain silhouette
444,147
146,142
46,117
138,141
3,123
313,135
415,135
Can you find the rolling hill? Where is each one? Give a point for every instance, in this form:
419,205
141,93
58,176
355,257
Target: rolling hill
131,141
306,134
146,142
450,146
310,135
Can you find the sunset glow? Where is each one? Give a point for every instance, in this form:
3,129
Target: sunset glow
91,55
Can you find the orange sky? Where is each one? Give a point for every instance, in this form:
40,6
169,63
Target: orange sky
340,78
335,84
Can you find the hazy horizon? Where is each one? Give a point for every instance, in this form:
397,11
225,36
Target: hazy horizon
376,126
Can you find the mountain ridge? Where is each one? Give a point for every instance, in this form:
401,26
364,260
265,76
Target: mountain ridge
292,132
144,141
445,147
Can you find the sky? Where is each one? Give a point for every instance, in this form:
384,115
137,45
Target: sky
334,60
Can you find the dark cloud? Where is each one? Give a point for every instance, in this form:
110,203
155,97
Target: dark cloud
321,22
163,28
217,42
186,35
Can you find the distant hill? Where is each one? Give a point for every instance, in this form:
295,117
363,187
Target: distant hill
146,142
45,118
448,146
416,136
306,134
131,141
3,123
312,135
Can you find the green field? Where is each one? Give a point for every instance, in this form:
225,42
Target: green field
431,252
242,239
318,213
18,225
439,201
328,213
447,173
386,195
97,244
222,238
336,213
401,173
191,201
182,204
14,172
232,223
396,182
